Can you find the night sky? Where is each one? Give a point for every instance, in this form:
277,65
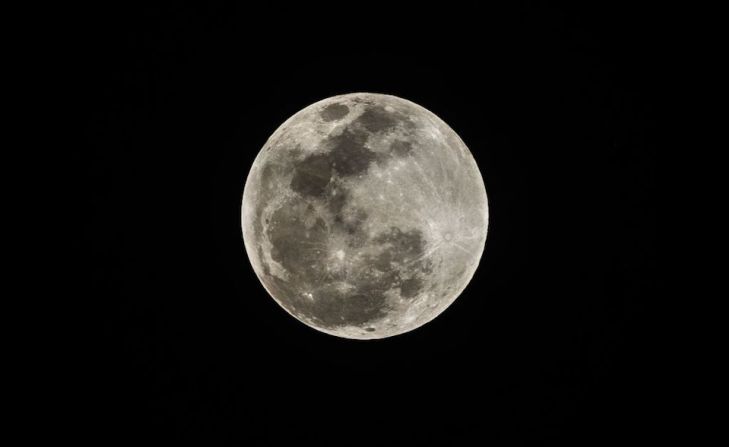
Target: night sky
552,341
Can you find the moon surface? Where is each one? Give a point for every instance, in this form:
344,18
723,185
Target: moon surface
364,216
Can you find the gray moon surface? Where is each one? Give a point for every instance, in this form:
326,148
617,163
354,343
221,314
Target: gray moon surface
364,216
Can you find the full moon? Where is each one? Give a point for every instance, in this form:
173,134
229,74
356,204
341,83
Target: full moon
364,216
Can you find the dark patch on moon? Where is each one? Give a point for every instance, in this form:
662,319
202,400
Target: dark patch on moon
348,153
410,287
362,100
401,148
312,175
334,112
377,119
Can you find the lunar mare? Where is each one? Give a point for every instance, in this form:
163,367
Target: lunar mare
364,216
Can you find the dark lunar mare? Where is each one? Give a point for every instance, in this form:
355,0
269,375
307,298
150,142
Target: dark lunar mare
334,112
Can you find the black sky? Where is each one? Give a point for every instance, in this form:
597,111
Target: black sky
550,343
